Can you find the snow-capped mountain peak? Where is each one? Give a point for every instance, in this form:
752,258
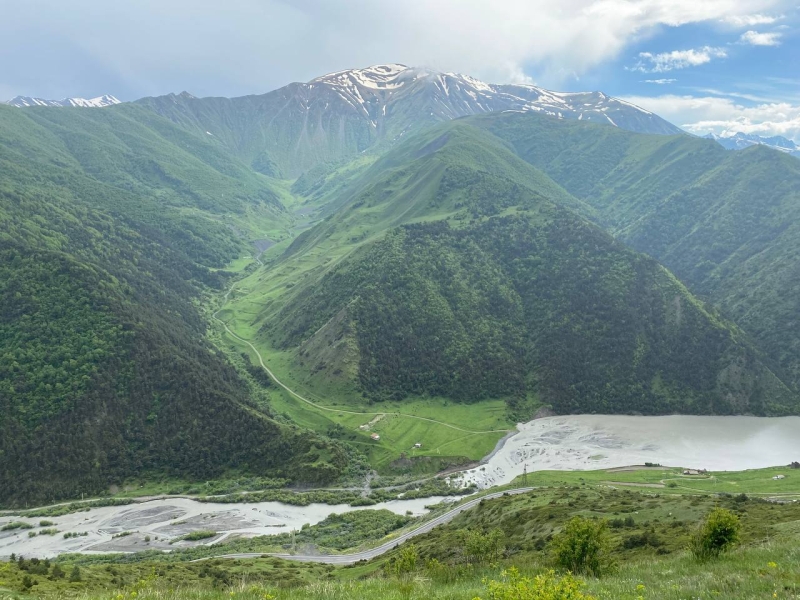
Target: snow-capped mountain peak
373,91
99,102
375,77
740,140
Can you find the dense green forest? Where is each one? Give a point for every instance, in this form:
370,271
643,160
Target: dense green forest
105,370
548,305
724,222
498,291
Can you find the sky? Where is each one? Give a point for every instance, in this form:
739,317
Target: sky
706,65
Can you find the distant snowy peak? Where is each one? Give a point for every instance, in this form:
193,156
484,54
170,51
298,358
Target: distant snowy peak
739,141
374,90
99,102
377,77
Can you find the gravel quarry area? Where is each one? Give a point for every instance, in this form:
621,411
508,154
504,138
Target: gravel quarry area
586,442
162,521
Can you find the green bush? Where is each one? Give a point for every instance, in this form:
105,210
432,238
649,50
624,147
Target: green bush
406,561
75,574
584,546
719,533
16,525
195,536
547,586
482,547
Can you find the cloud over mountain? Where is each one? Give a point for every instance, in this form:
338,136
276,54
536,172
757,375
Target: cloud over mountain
704,114
87,48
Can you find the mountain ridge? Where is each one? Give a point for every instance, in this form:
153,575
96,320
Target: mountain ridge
740,141
454,272
340,115
97,102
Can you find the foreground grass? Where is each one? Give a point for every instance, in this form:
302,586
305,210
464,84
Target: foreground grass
770,570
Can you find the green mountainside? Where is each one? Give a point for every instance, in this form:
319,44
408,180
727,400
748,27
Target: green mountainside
110,230
725,223
463,261
465,273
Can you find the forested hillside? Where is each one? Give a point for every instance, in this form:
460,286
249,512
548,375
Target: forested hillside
725,223
498,291
107,234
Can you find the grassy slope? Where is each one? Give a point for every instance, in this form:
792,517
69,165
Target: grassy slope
724,222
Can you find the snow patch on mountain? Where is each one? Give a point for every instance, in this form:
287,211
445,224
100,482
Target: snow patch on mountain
450,95
99,102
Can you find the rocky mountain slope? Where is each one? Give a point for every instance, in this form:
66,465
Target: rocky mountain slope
338,116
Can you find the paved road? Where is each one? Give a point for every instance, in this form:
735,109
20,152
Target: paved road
348,559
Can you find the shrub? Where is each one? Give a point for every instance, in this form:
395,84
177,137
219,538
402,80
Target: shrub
16,525
406,561
718,533
203,534
58,572
482,547
547,586
75,574
584,546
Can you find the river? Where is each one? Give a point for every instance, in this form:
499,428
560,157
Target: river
558,443
585,442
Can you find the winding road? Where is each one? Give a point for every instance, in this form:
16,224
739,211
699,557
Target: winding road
349,559
319,406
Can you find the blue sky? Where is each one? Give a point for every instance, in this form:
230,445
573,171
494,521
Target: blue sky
721,65
740,74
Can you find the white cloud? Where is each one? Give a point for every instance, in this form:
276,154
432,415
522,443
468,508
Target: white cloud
749,20
243,46
754,38
702,115
660,81
677,59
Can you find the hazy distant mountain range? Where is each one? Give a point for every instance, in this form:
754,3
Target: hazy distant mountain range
99,102
739,141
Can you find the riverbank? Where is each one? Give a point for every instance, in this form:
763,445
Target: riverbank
590,442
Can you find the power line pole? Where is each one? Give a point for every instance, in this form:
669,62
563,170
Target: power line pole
525,475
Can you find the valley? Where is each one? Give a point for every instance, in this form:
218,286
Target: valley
381,325
554,450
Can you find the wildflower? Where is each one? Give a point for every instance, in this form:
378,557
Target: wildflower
772,565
